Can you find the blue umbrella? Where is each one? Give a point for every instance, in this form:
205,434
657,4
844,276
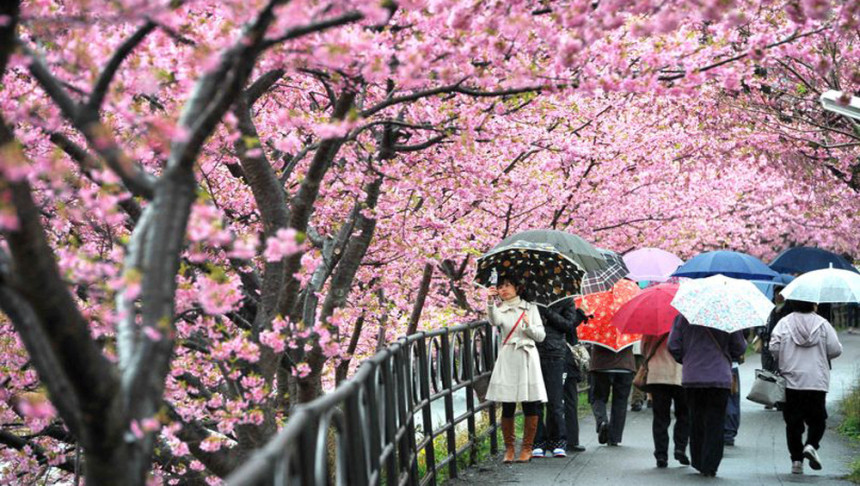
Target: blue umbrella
767,286
732,264
802,259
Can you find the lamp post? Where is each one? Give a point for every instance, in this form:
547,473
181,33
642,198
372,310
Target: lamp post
830,102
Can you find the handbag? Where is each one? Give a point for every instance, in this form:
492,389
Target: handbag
767,389
640,381
580,357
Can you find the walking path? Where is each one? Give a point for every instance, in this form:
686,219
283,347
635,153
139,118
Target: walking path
759,456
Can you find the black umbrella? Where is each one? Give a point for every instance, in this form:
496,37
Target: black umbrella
548,275
574,247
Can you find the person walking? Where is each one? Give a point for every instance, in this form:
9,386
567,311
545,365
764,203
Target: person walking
706,355
612,373
804,343
516,376
558,319
664,385
574,373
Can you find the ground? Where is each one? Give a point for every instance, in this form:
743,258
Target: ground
759,455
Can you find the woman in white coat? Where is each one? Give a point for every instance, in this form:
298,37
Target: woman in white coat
804,343
517,375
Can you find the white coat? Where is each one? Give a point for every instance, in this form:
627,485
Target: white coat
804,343
517,375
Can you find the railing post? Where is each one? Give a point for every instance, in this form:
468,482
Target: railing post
489,351
468,367
427,416
447,368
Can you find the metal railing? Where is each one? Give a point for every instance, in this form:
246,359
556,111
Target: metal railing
374,427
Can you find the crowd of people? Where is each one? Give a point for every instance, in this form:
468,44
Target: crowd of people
692,370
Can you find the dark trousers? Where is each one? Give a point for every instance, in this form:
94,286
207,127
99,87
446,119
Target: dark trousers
571,401
733,412
550,430
530,409
662,397
619,385
707,424
804,407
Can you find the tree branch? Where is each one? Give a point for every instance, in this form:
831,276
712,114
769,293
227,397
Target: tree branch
101,88
296,32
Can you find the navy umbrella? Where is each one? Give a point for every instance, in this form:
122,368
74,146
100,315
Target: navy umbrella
732,264
802,259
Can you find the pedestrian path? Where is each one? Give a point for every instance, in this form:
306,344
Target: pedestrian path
759,456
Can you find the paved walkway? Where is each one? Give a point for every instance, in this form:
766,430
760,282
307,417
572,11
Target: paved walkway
758,457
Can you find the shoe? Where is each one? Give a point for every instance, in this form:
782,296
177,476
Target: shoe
537,452
559,452
636,407
613,444
575,448
682,458
797,467
811,454
529,431
649,403
729,442
662,463
602,432
509,438
709,474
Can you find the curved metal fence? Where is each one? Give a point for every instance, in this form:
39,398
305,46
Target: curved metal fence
376,428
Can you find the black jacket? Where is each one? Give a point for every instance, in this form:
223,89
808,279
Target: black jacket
559,321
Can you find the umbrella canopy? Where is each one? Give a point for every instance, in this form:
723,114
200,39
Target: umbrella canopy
732,264
597,281
548,275
722,303
767,287
650,312
598,330
830,285
569,244
652,264
802,259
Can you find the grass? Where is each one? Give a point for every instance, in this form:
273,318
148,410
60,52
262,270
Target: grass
850,426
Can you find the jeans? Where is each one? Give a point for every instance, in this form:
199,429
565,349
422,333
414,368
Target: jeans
662,397
804,407
733,413
551,435
571,401
619,384
707,426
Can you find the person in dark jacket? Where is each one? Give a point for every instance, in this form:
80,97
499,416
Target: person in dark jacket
559,319
573,375
611,372
706,355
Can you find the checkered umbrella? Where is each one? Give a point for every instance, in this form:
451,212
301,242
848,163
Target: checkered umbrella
548,275
597,281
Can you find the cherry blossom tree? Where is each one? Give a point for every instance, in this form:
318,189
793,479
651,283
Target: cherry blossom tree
210,211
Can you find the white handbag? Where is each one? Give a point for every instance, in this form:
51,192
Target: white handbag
768,388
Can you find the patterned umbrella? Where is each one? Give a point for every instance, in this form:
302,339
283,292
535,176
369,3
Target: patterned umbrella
597,281
599,330
723,303
576,248
549,276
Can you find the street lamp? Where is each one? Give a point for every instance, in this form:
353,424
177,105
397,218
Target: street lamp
830,102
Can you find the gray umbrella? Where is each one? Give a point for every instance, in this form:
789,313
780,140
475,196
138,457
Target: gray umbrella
572,246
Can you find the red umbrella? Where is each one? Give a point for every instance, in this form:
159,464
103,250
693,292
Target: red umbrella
603,306
648,312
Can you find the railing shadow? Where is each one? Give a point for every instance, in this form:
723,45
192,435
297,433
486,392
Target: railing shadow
372,429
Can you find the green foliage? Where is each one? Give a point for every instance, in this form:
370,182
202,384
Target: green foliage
850,426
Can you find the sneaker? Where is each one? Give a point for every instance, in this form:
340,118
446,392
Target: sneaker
558,452
811,454
797,467
538,452
603,432
681,457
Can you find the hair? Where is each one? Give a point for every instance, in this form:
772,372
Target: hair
801,306
515,281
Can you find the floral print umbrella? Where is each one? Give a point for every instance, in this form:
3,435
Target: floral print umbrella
599,330
722,303
548,275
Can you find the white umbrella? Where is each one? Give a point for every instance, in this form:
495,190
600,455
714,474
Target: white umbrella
830,285
723,303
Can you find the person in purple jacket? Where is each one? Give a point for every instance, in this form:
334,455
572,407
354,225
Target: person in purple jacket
707,380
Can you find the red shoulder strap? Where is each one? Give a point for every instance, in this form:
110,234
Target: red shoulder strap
514,328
